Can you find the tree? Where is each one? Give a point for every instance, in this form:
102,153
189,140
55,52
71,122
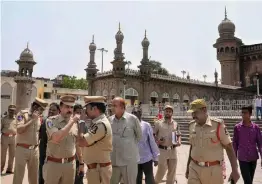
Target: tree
73,83
157,68
128,64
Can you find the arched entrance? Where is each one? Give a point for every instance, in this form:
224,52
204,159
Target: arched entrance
131,95
165,98
153,97
112,94
105,93
176,98
6,96
98,93
194,97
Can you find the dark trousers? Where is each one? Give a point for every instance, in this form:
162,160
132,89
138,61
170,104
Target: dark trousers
248,171
147,169
79,177
41,163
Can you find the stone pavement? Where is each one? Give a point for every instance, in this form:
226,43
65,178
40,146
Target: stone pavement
181,167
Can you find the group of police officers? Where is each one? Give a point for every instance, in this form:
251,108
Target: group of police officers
67,138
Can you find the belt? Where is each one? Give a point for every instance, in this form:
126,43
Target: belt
94,165
61,160
206,164
27,146
8,135
167,147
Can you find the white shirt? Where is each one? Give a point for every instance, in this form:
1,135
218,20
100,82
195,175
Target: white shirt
258,102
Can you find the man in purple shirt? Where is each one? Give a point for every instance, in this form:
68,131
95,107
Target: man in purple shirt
247,138
148,151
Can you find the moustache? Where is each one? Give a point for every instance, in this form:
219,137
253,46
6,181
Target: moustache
69,112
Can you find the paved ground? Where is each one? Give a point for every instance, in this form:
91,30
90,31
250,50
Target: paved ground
182,155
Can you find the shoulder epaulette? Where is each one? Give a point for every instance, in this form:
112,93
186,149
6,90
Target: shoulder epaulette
193,121
216,120
53,117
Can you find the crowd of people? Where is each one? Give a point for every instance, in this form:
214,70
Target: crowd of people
119,147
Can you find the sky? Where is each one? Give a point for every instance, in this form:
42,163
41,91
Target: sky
181,34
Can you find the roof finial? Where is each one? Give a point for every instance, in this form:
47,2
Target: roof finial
225,12
93,38
119,26
27,45
145,33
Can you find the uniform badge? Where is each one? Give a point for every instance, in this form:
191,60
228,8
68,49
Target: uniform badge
93,129
50,124
19,118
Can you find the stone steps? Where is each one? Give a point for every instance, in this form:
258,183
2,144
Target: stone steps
184,126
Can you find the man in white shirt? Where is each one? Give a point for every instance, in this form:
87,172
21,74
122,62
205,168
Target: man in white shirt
258,106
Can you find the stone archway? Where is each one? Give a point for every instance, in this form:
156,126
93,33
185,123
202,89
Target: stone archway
98,93
194,97
112,93
131,95
6,96
165,98
176,98
186,98
153,97
105,93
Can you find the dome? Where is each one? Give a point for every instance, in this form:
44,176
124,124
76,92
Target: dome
92,46
27,53
119,35
145,42
226,26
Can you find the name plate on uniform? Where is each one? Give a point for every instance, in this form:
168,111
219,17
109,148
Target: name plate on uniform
174,138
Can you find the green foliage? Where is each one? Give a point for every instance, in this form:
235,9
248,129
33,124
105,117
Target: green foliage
73,83
157,68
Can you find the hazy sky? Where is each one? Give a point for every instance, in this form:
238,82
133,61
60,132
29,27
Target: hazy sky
181,34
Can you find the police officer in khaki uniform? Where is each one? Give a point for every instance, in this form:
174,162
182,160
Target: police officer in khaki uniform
8,130
28,124
61,146
97,142
208,136
168,137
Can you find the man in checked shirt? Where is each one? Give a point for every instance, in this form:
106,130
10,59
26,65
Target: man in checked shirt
148,151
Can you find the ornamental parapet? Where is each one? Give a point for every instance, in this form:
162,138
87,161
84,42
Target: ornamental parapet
24,79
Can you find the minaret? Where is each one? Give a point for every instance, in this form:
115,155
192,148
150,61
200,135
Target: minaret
227,46
216,75
145,67
24,79
118,63
188,76
91,69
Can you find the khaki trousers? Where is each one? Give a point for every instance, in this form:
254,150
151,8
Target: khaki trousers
23,157
205,175
167,162
127,173
59,173
7,143
99,175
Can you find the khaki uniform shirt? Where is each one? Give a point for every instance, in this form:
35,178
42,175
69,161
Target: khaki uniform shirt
67,147
204,140
31,135
8,125
164,130
99,139
126,135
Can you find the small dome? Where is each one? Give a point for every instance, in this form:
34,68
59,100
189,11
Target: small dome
119,36
92,46
145,42
27,53
226,26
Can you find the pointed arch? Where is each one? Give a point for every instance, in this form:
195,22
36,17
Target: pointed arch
105,93
186,97
154,94
176,97
165,95
98,93
131,92
194,97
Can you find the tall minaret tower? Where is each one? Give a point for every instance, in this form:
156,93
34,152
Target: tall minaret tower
24,79
145,67
91,69
227,46
119,63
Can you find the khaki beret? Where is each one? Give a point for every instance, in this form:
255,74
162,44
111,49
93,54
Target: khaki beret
94,99
68,100
41,102
12,107
168,107
197,104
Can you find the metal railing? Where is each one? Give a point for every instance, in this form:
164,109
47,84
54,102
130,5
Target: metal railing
220,109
